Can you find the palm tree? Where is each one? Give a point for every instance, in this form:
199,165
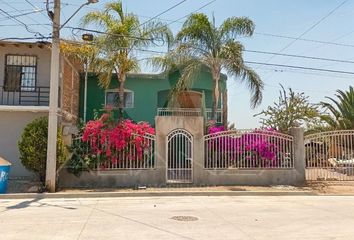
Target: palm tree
341,110
200,43
124,36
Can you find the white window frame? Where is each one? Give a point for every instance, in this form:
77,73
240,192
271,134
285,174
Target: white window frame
117,91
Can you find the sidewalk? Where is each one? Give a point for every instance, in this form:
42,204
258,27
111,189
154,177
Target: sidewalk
32,192
24,189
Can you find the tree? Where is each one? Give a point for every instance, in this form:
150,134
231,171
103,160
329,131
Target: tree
124,35
80,52
341,110
200,43
291,110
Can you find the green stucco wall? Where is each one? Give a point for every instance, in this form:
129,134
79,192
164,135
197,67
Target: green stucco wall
150,92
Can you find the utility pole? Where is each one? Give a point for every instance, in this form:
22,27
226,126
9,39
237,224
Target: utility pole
53,101
51,168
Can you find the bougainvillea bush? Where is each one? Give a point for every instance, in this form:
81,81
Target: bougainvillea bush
105,143
257,148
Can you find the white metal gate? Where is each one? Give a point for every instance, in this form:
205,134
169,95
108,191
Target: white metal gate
330,156
179,157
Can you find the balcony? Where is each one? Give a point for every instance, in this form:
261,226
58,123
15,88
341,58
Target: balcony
25,96
189,112
218,113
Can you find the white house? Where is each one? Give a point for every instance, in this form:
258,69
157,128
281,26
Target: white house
24,94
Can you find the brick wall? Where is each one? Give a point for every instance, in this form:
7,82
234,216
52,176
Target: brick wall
70,91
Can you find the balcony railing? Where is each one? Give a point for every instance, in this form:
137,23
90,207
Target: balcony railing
218,114
179,112
25,96
189,112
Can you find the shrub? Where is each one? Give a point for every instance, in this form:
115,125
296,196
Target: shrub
253,149
104,142
81,159
33,147
110,143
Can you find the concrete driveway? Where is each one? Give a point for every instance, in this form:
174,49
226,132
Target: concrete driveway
242,217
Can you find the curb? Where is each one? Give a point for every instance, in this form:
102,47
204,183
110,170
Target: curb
151,194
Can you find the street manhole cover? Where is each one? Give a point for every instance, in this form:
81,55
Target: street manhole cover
184,218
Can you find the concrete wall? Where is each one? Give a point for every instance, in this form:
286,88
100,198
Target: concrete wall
114,178
248,177
193,125
12,124
201,176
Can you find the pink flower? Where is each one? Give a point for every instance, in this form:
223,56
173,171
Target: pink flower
112,142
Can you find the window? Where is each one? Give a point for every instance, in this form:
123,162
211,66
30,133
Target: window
112,98
20,73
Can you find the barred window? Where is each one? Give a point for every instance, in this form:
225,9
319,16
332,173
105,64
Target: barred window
20,73
112,98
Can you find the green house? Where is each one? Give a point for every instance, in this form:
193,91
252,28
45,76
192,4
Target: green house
145,94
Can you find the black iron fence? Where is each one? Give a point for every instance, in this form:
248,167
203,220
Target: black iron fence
24,96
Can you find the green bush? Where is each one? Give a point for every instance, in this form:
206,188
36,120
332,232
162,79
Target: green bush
81,159
33,147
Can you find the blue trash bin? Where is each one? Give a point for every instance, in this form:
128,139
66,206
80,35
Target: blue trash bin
4,174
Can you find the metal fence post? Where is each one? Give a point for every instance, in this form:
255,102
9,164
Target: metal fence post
299,153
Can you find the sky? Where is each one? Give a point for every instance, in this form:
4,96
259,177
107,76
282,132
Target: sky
319,20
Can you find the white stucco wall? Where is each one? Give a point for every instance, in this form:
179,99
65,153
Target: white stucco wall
12,123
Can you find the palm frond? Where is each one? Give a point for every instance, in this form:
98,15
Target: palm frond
190,72
255,85
117,7
234,65
235,27
197,30
341,110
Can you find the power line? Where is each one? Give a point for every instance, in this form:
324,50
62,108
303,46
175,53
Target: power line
25,38
160,14
245,50
177,20
300,56
16,25
304,39
313,26
300,67
155,17
78,5
300,71
161,19
20,12
35,7
298,89
307,31
264,52
23,14
22,23
111,34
